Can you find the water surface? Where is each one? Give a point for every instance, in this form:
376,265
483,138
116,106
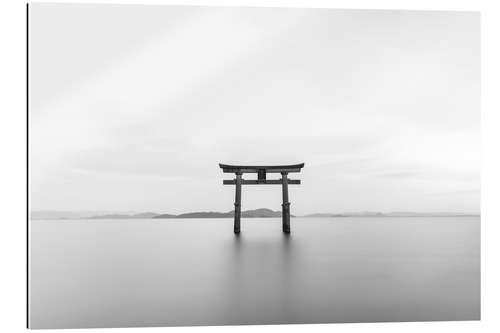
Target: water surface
151,272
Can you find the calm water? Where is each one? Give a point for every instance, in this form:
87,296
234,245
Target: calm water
115,273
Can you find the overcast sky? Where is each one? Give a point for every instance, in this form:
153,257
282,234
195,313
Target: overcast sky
133,107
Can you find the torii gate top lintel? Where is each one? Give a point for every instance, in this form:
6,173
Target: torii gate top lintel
261,171
255,168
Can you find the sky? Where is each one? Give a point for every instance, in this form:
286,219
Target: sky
132,107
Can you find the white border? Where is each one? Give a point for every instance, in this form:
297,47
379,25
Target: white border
13,162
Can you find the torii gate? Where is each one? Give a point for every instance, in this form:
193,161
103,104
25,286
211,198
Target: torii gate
261,171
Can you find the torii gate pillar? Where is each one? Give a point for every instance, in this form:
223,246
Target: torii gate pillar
285,211
237,204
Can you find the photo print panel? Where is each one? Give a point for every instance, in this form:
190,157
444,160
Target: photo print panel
249,165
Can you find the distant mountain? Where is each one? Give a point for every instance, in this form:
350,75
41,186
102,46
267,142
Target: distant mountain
146,215
261,212
391,214
429,214
108,217
324,215
365,213
164,216
64,215
254,213
200,215
349,214
123,216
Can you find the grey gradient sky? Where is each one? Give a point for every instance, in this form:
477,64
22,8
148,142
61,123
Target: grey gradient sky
132,107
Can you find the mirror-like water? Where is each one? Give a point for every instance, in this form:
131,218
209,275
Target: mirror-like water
118,273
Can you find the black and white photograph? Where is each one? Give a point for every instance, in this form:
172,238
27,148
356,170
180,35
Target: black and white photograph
198,165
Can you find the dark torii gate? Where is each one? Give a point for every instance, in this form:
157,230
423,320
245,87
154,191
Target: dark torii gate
262,171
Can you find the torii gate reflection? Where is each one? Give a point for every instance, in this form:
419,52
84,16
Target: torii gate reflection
261,171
